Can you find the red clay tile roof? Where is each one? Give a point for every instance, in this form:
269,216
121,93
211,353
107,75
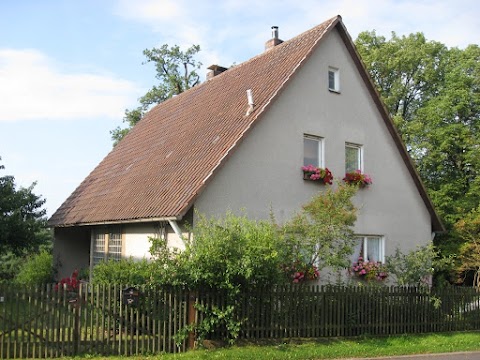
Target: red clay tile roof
161,166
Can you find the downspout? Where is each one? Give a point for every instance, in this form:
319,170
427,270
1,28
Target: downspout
176,229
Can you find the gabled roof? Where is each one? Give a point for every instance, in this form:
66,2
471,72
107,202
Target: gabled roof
157,171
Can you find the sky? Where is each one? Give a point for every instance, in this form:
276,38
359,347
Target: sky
70,68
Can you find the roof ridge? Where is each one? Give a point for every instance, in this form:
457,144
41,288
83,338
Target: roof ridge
276,48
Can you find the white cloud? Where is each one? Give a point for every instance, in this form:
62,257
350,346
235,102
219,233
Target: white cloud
33,86
150,11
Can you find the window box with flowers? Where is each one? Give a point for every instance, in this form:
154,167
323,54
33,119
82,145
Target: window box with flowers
314,173
300,272
369,270
357,178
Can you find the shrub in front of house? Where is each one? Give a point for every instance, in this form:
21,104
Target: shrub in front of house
37,270
125,271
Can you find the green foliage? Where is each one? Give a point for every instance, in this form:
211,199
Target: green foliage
323,230
469,254
416,267
9,266
22,222
176,71
235,252
36,270
125,272
407,70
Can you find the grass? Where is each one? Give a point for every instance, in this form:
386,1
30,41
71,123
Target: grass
334,349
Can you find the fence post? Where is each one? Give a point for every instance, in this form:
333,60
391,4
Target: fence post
192,318
76,322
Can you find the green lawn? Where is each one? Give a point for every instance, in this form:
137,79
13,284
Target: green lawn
335,349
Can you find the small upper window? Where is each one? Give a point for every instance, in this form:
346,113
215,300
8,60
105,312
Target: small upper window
333,79
313,151
353,158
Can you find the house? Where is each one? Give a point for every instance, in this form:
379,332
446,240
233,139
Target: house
238,141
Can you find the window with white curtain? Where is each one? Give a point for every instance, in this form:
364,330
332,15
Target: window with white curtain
370,247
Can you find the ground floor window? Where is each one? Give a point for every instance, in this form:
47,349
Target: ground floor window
370,248
107,244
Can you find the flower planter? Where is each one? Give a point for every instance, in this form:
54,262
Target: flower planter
356,178
320,175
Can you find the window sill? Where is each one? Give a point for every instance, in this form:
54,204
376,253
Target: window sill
334,91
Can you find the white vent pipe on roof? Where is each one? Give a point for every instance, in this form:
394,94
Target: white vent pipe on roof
251,104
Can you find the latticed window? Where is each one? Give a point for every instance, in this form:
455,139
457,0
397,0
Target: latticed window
98,248
107,245
115,246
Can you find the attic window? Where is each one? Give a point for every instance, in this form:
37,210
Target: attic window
333,79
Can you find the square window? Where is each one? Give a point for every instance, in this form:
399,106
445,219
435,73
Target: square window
353,158
313,151
371,248
333,79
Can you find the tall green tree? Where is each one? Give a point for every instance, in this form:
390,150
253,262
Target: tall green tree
433,94
407,71
22,219
176,71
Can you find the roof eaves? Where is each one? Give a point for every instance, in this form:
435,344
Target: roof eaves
118,222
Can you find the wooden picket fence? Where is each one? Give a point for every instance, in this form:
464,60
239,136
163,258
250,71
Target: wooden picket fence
44,322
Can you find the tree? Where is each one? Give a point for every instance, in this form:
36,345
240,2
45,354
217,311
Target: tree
22,221
433,94
406,70
469,254
416,267
176,72
323,231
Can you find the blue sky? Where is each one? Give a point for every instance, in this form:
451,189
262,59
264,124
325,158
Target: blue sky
69,68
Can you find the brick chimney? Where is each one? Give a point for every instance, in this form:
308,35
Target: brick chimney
274,41
215,70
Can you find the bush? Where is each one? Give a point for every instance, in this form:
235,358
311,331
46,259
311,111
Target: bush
125,272
37,270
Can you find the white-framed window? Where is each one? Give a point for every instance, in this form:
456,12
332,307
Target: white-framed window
370,248
353,157
313,151
107,244
333,79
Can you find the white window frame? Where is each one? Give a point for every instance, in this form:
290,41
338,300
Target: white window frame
320,149
335,72
364,239
359,157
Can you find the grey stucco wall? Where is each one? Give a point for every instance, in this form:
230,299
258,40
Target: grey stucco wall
264,172
71,250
